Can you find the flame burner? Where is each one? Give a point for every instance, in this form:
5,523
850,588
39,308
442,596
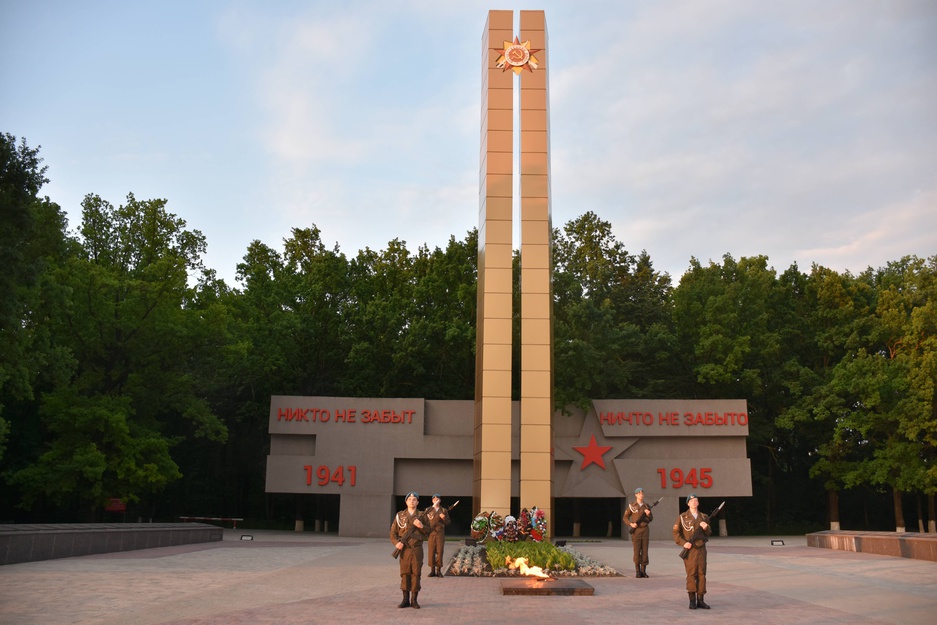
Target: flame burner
532,586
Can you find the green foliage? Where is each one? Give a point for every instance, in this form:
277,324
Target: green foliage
411,322
543,554
868,398
21,178
98,451
612,329
123,390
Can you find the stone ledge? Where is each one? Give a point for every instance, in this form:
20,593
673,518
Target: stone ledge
907,545
48,541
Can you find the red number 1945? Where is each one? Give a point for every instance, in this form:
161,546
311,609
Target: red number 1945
703,479
326,475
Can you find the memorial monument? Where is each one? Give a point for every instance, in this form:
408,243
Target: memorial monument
514,61
503,454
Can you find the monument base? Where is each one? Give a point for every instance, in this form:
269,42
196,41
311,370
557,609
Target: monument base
552,587
32,542
904,545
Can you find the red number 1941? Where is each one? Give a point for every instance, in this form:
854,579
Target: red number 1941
703,479
325,475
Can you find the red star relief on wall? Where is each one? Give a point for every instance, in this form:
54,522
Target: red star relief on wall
592,453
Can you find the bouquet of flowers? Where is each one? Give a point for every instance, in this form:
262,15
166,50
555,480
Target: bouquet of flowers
523,524
496,526
538,524
479,526
509,534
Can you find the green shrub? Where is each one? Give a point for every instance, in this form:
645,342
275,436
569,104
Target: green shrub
543,554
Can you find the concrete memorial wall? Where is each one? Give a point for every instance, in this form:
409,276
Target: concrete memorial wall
368,451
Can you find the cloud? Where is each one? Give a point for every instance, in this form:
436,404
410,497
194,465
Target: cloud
716,128
905,227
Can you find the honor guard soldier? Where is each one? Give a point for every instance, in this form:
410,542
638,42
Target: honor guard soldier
407,532
637,517
438,518
691,531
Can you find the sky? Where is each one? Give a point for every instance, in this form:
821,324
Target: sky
800,130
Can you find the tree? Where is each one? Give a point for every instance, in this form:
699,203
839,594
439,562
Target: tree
32,244
319,291
287,335
21,177
379,318
587,251
438,348
868,399
130,393
833,308
734,324
895,376
612,330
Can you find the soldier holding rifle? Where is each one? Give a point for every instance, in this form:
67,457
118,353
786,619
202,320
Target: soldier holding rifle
438,518
637,517
691,531
407,531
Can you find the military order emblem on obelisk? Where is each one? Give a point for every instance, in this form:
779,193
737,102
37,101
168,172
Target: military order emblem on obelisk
526,55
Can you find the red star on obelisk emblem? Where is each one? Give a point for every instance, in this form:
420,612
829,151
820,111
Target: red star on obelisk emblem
592,453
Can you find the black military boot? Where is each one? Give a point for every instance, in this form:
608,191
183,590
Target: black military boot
700,604
644,570
637,570
432,572
406,600
413,603
692,600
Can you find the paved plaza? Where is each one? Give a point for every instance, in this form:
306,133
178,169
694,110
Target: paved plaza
287,578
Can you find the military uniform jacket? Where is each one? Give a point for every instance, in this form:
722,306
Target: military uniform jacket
437,525
401,525
635,512
686,526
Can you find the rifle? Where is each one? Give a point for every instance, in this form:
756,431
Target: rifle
447,509
699,531
413,528
643,520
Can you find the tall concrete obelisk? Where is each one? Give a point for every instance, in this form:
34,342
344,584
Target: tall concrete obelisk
506,56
